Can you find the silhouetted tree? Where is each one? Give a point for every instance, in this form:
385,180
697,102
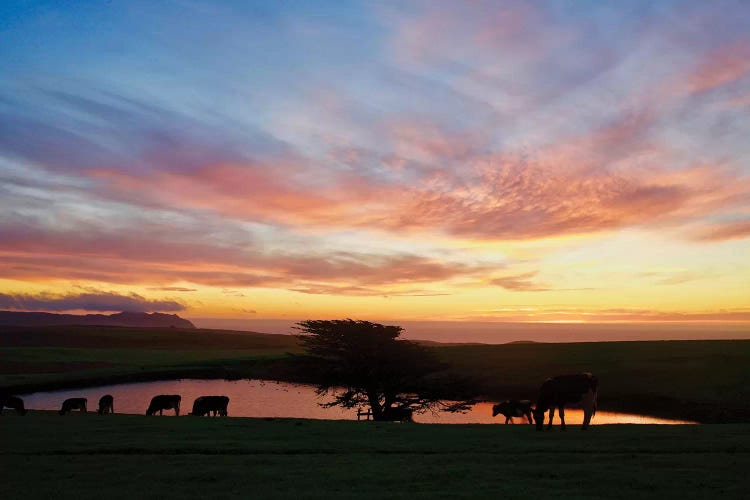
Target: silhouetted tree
363,363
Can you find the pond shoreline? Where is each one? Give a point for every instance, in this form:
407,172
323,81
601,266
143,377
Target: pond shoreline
648,405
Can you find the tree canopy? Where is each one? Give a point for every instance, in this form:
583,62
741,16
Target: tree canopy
366,364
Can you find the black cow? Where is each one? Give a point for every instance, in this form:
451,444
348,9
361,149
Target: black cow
204,405
513,408
164,402
73,404
106,405
564,390
14,402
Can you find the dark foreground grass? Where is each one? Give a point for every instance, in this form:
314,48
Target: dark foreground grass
47,456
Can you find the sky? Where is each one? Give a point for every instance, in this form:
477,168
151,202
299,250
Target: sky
477,161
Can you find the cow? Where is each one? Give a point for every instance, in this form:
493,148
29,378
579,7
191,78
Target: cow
204,405
14,402
564,390
106,405
164,402
73,404
513,408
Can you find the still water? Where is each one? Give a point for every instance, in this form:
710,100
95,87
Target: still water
262,398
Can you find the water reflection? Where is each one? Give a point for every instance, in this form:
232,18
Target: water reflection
259,398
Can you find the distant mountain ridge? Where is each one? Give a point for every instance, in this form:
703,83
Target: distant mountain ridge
136,319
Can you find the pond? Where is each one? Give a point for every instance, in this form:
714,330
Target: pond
263,398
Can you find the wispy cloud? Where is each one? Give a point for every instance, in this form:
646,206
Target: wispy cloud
172,289
725,231
520,282
87,301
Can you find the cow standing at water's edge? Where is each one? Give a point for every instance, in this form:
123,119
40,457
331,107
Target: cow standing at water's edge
513,408
73,404
557,392
106,405
204,405
164,402
13,402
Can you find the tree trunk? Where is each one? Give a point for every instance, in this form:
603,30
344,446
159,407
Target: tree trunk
375,408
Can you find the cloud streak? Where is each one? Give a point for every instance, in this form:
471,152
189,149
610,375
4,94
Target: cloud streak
87,301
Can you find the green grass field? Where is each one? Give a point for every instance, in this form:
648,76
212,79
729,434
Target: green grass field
127,456
707,381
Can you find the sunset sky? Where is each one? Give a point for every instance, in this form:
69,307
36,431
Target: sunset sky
477,161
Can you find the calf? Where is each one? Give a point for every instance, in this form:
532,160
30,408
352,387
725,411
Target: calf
164,402
106,405
13,402
513,408
564,390
73,404
204,405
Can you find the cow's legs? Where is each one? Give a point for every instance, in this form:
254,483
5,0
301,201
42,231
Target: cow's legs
586,418
160,412
589,406
528,417
508,420
177,410
562,418
551,416
83,408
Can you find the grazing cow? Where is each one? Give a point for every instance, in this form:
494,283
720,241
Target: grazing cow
398,414
73,404
513,408
564,390
14,402
204,405
106,405
164,402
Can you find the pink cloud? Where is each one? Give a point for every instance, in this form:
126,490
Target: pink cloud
721,67
721,232
169,256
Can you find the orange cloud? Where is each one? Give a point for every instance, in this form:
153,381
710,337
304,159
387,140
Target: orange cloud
721,232
615,315
520,283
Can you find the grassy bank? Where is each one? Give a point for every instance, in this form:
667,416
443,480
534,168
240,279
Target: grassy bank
706,381
46,358
123,456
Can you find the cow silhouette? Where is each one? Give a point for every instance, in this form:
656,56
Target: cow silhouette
556,392
513,408
73,404
106,405
13,402
164,402
204,405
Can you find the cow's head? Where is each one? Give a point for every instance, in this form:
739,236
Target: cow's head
538,417
500,408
